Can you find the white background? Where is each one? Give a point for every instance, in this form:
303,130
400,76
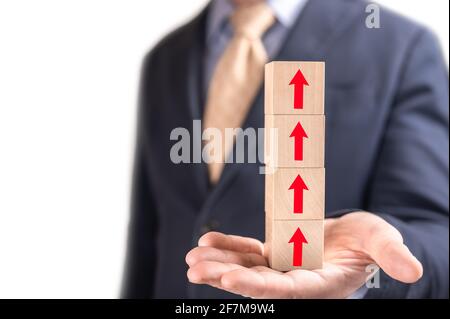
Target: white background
68,87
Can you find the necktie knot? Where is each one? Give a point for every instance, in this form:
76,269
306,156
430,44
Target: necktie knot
252,20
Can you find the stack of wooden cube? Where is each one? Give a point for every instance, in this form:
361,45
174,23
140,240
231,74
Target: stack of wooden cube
295,173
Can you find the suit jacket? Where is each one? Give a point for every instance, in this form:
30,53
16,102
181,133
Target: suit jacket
386,148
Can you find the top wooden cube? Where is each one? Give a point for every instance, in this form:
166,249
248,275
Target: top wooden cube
294,87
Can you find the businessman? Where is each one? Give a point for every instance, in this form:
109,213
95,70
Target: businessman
197,230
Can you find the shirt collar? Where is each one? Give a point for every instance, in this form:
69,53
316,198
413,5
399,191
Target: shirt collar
285,11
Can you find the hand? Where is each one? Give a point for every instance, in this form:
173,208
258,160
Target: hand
239,264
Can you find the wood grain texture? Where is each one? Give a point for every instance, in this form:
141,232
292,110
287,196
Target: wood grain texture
279,95
280,159
281,251
280,199
282,154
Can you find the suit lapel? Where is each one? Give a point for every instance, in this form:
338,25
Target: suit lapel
317,27
189,80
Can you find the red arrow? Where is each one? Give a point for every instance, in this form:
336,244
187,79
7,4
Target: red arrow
298,239
298,133
299,82
298,186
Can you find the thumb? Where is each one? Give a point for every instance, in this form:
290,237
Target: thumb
385,246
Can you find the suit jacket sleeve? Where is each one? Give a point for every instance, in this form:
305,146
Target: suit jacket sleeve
138,280
410,183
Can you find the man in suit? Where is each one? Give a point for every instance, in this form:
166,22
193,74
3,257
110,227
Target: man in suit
386,155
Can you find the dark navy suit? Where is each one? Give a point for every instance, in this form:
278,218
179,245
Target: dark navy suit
386,148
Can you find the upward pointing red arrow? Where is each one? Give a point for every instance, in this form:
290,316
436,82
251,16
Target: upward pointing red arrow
298,239
298,134
298,81
298,186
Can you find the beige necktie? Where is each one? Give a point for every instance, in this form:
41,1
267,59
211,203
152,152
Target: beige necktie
237,77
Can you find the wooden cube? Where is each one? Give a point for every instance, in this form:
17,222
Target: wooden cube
294,87
294,158
295,244
296,193
299,142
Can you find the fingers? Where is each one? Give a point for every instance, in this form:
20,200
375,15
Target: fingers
231,242
385,245
219,255
200,254
209,272
258,284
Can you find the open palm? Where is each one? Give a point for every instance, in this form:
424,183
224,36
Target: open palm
352,242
